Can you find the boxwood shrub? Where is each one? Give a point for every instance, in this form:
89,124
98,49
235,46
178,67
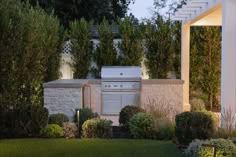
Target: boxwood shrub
52,131
141,126
58,119
23,122
126,113
84,114
194,125
97,128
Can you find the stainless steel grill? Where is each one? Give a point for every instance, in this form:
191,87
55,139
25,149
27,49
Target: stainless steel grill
121,86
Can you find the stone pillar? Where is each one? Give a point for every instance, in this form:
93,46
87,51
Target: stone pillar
185,54
228,76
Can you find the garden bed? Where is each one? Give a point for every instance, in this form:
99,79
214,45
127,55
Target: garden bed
87,148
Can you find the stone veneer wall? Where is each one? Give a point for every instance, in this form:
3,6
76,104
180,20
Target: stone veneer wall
65,96
62,97
167,94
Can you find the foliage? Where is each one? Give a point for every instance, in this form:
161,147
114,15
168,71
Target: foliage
105,53
194,125
193,148
202,148
164,129
197,104
23,122
29,45
141,125
163,116
130,47
84,114
70,130
80,37
97,128
228,129
70,10
159,48
52,131
223,148
205,62
58,119
126,113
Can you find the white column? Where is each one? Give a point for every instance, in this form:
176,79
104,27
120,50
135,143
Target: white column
185,53
228,76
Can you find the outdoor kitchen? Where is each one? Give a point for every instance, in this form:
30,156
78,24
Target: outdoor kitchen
119,86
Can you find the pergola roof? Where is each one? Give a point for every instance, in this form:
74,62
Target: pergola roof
200,12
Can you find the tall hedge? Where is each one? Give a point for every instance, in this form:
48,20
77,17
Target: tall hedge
105,53
80,36
130,47
30,43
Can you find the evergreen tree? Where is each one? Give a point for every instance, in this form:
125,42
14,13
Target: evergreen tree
159,48
105,53
206,62
80,36
28,43
130,47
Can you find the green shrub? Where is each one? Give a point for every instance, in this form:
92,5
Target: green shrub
23,122
193,125
84,114
97,127
164,129
223,148
126,113
141,125
225,133
52,131
204,148
193,148
58,119
70,130
197,105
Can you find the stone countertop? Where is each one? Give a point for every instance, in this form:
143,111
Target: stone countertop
78,83
70,83
162,81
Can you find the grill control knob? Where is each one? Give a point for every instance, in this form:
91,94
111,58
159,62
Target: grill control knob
121,85
109,86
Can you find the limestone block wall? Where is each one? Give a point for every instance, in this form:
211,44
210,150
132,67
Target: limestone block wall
63,97
163,94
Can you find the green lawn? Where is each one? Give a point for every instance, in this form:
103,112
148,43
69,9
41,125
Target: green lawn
87,148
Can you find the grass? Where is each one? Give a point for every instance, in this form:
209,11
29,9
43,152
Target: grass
87,148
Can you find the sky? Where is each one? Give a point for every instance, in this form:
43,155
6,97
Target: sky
141,8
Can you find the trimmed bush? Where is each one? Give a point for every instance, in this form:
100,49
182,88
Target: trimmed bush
197,105
141,125
193,125
97,127
24,122
52,131
223,148
126,113
84,114
58,119
70,130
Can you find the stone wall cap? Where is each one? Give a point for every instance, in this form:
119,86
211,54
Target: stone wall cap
162,81
70,83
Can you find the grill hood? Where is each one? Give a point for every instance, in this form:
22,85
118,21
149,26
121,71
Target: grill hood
121,73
